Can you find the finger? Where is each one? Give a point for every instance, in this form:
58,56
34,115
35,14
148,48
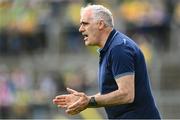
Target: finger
59,102
72,111
74,105
61,97
77,103
71,90
55,101
62,106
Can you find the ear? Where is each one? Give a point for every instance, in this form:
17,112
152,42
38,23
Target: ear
101,24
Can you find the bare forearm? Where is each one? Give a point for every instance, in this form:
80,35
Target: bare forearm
123,95
114,98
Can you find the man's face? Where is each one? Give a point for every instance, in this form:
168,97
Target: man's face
89,29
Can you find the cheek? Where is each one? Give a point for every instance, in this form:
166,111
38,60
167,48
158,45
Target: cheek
93,32
95,36
92,37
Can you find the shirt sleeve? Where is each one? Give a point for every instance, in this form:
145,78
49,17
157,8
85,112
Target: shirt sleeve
122,61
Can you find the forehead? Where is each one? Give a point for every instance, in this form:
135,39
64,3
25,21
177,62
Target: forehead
86,15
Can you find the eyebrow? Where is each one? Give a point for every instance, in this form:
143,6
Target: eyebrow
83,22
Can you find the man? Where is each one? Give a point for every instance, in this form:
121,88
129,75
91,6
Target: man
123,79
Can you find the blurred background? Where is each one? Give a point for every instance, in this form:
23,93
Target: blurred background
42,52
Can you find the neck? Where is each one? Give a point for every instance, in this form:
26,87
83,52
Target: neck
104,36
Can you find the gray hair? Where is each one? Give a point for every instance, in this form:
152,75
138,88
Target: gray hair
100,12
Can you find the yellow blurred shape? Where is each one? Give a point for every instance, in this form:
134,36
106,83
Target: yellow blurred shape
74,12
60,117
133,11
147,51
90,113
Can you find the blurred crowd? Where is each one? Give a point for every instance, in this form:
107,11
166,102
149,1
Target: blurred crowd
23,95
43,30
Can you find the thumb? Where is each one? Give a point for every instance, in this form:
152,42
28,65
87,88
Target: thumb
71,90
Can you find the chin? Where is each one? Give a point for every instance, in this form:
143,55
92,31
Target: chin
87,43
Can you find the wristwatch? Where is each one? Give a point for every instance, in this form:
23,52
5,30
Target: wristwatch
92,102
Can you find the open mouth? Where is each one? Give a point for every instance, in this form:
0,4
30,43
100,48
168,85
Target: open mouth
85,36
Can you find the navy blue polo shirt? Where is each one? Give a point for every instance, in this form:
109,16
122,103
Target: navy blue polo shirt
120,57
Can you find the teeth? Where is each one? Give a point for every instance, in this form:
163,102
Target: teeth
85,35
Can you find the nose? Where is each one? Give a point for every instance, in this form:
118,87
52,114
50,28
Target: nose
81,28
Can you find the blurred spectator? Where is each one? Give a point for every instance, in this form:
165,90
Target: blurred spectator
175,28
5,5
45,90
23,84
76,80
135,15
59,81
49,84
6,96
73,39
3,41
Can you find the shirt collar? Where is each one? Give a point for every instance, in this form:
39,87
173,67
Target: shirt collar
108,42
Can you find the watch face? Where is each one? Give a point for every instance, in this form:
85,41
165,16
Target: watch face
92,102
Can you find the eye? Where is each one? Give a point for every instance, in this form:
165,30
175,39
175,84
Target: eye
84,23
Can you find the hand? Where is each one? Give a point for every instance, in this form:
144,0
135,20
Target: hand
66,100
80,105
